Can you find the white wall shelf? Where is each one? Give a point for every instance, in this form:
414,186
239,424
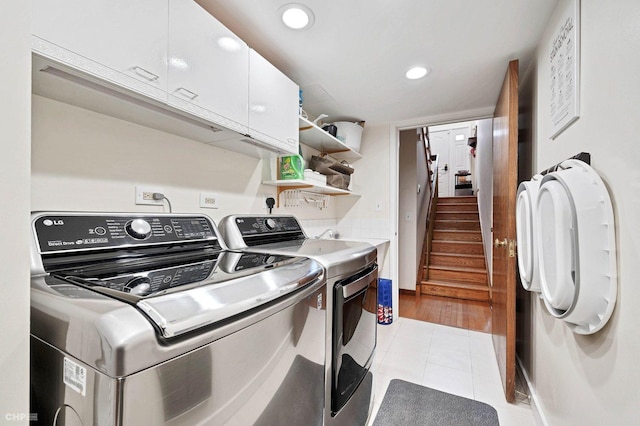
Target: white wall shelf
313,136
308,186
285,184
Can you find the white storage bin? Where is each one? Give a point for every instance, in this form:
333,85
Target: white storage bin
314,178
350,134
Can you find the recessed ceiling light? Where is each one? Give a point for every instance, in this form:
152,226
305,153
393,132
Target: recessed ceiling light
296,16
416,73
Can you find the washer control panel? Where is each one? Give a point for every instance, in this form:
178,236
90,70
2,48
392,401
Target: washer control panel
261,225
68,232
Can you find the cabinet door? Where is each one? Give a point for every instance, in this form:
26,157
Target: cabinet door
273,105
208,67
121,41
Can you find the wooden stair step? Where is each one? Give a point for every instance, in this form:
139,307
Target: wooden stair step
457,215
457,274
458,200
456,235
475,261
469,225
457,207
461,247
455,290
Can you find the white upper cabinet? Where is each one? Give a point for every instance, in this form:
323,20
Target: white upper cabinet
273,105
174,55
121,41
208,67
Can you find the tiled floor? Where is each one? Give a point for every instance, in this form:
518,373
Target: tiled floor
449,359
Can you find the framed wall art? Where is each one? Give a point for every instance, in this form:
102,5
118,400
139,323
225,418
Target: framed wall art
564,63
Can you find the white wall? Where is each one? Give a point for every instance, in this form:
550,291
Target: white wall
413,207
83,160
593,380
483,176
407,238
358,215
422,200
15,74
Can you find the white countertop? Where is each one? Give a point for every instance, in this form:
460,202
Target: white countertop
380,244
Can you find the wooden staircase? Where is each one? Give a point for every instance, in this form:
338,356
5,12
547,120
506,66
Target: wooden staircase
456,266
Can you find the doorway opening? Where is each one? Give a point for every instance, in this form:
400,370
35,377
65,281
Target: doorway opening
451,284
452,144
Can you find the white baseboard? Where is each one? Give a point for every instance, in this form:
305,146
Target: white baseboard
536,407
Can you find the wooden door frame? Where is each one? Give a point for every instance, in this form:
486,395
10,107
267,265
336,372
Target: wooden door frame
505,180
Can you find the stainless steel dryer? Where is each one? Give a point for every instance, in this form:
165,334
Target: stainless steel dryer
352,275
148,320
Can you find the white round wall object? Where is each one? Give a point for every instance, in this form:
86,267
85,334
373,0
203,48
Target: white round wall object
526,230
576,240
557,247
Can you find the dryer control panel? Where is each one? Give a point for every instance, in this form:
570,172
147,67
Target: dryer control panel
256,225
257,230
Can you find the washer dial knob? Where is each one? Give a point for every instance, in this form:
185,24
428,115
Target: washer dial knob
138,229
271,224
140,286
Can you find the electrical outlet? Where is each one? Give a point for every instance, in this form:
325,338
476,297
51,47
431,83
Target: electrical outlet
209,200
264,201
144,195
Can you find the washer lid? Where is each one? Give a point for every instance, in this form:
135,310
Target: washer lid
284,235
209,303
179,297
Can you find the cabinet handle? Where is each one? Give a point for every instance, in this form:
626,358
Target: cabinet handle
186,93
145,74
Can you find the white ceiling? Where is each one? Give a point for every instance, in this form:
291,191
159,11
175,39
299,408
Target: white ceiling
351,63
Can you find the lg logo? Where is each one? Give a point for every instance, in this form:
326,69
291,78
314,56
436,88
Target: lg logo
49,222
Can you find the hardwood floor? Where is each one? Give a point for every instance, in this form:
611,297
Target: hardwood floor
468,314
